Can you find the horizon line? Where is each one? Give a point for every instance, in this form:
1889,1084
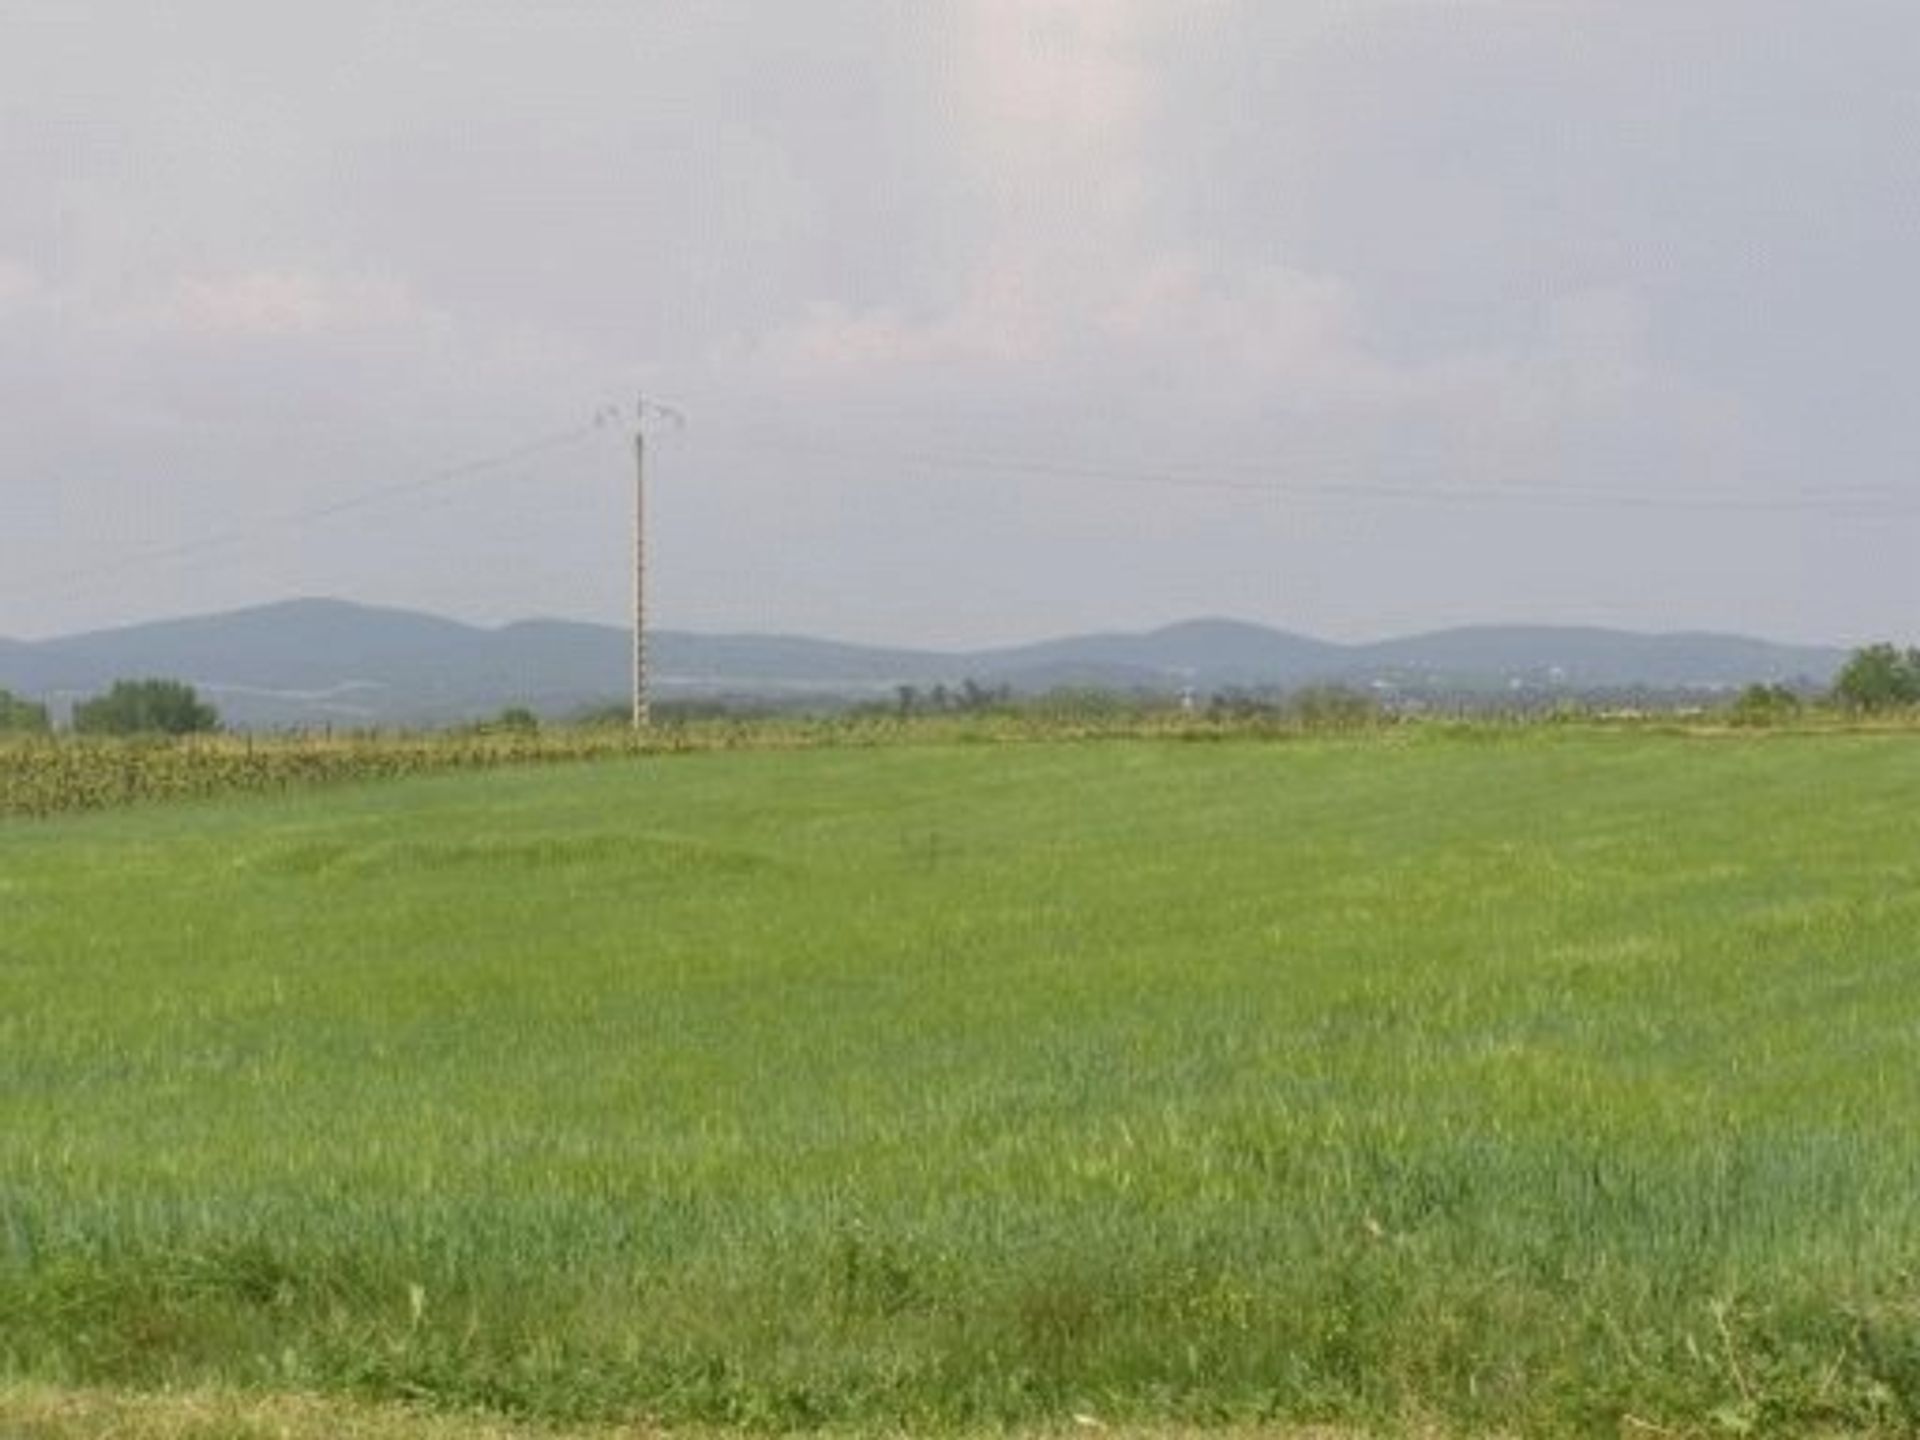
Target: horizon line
1060,637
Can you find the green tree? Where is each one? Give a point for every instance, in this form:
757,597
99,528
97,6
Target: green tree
145,707
21,717
1764,705
1879,677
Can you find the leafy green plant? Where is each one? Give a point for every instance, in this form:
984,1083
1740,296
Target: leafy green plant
22,717
1761,705
146,707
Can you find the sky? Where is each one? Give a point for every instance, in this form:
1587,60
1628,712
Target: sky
989,319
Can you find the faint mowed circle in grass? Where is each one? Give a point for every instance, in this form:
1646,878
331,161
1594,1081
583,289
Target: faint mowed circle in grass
1530,1080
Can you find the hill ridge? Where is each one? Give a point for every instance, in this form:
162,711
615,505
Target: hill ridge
314,660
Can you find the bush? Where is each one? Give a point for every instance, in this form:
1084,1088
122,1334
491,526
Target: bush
146,707
1241,705
1764,705
22,717
1085,704
1334,707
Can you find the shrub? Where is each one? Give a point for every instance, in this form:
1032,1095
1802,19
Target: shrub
22,717
146,707
1334,707
1764,705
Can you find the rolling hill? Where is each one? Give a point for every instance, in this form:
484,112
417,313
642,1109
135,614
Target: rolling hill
307,662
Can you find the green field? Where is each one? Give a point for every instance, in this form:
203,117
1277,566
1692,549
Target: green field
1548,1081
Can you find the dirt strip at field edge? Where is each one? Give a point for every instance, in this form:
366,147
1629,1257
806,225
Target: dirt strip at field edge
42,1412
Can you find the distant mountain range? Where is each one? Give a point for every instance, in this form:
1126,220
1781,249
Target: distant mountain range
306,662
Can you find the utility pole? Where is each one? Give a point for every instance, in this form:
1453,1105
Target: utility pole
642,712
645,411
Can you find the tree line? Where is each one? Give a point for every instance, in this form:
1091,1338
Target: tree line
129,707
1876,678
1879,677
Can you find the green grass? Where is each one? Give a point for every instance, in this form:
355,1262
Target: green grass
1533,1081
42,1412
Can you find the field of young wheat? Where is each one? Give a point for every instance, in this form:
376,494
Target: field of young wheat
1540,1081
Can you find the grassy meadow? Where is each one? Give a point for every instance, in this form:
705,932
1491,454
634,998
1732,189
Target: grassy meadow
1541,1081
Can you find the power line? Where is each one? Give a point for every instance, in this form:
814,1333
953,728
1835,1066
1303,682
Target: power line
1260,478
446,477
1308,471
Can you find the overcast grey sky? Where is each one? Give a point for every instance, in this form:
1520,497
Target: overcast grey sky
994,318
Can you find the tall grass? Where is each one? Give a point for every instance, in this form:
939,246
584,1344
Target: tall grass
1538,1083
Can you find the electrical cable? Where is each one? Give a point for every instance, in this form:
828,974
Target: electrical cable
442,478
1258,479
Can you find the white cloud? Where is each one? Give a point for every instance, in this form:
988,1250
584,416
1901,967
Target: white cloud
284,303
18,284
1045,78
1052,102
